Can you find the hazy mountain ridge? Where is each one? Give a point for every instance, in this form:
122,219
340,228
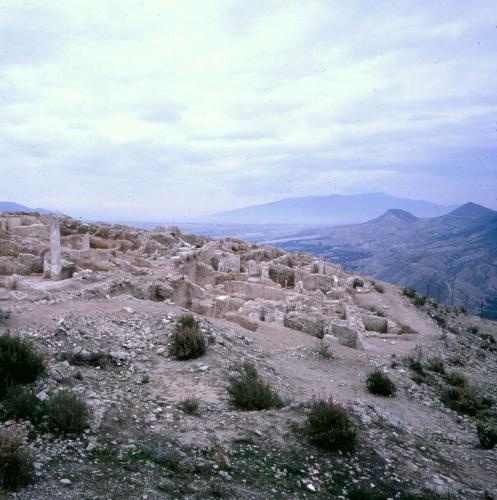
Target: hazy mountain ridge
9,206
327,210
452,254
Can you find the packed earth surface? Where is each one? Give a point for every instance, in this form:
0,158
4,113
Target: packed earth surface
103,309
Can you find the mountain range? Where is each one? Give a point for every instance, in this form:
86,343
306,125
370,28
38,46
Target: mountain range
9,206
452,257
327,210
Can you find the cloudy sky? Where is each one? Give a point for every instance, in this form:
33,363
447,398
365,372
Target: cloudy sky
164,109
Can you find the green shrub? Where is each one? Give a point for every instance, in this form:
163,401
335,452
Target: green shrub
415,364
330,427
249,392
436,365
190,406
419,300
473,329
464,400
19,363
456,379
188,341
16,464
380,384
67,413
487,434
409,292
20,403
358,283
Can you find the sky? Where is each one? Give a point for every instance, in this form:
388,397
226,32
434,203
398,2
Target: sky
156,110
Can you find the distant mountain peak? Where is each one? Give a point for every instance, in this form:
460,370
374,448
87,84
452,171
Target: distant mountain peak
329,210
396,214
472,210
10,206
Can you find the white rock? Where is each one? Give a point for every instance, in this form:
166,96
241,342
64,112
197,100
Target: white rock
65,482
42,396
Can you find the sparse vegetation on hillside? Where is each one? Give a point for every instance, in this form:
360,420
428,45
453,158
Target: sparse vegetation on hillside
330,427
16,464
249,392
322,350
190,406
21,403
464,400
380,384
188,341
487,433
19,363
67,413
436,365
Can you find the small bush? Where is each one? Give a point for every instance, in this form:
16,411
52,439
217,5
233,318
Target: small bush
473,329
16,465
415,364
409,292
188,341
419,300
20,403
440,320
19,363
487,434
322,350
456,379
489,339
67,413
358,283
330,427
379,287
190,406
380,384
249,392
464,400
436,365
163,454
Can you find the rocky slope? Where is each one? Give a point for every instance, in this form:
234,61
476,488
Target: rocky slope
105,331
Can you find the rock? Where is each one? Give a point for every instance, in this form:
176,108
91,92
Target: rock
42,396
65,482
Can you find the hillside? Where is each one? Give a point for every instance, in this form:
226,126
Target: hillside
181,366
326,210
449,257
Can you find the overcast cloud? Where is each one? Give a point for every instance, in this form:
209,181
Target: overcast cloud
164,109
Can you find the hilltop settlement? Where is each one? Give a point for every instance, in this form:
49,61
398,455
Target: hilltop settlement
171,365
